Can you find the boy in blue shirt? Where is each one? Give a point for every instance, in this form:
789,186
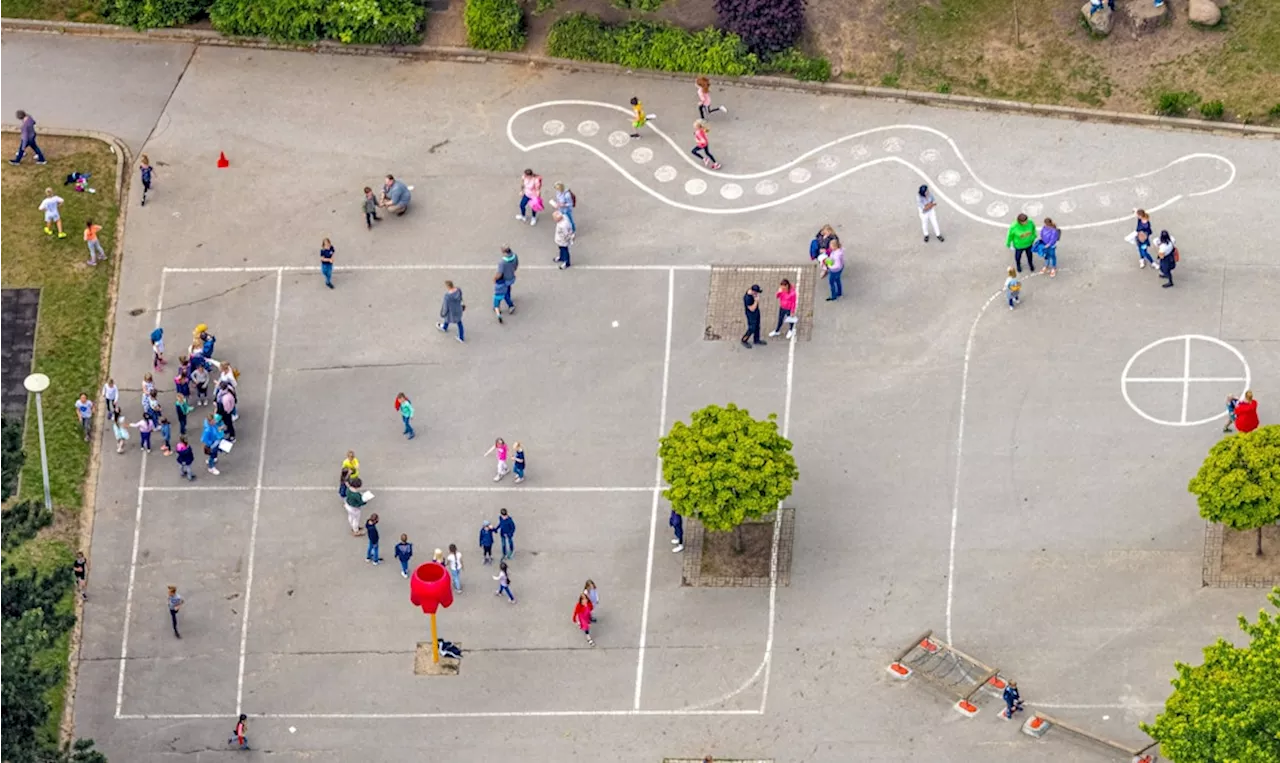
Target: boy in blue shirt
486,542
500,289
507,533
165,431
404,552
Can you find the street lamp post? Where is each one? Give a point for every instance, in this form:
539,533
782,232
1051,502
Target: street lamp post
38,383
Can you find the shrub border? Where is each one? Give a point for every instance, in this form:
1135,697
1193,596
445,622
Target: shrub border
764,82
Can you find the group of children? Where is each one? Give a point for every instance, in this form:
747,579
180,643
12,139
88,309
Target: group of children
701,147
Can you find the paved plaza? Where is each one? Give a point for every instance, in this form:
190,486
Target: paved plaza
1015,481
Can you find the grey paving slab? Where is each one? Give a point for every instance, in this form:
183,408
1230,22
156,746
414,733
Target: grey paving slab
1086,591
119,88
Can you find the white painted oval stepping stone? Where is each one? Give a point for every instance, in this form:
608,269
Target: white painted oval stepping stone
949,178
1104,199
731,191
799,175
997,209
828,162
1033,208
618,138
588,128
894,145
695,187
553,127
929,155
860,151
642,155
1067,205
665,174
971,196
1142,191
766,188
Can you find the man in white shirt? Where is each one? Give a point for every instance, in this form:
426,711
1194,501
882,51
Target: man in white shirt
50,206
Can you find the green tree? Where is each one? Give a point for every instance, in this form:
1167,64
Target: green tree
1239,483
1228,709
725,467
12,457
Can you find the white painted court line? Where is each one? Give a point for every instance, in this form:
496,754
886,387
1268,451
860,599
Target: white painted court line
657,491
428,716
1183,379
1186,377
257,493
428,266
137,533
1100,706
777,524
399,489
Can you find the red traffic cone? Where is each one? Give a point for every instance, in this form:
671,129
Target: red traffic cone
222,161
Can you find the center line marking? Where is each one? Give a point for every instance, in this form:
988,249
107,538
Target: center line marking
1186,377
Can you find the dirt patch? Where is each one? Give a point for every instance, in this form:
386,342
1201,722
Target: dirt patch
1239,559
721,560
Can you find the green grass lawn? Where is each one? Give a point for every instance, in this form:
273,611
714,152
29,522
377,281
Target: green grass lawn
53,10
69,340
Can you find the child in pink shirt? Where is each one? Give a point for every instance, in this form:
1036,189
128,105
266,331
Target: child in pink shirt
531,196
787,297
500,450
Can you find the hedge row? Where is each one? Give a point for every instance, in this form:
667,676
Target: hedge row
494,24
650,45
366,22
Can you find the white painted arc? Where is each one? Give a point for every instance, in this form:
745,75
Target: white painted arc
951,143
1186,380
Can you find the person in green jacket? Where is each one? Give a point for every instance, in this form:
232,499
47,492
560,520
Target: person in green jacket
1022,236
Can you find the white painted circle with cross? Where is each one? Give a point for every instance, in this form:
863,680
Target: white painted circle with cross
1182,377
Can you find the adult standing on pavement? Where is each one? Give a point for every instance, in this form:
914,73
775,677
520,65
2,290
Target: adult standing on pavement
507,266
677,528
326,262
787,297
564,202
27,140
751,306
564,239
451,308
1021,237
211,439
833,266
1168,254
927,207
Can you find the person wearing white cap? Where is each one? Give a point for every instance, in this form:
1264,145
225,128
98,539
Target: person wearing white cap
928,214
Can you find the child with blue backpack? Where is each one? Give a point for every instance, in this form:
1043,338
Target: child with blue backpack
157,347
486,542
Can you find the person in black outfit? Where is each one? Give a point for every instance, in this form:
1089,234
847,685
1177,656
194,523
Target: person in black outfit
751,305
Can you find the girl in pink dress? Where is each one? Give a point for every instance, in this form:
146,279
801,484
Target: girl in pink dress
530,197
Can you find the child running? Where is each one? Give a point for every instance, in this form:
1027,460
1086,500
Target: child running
704,99
639,118
582,616
700,138
1012,287
145,169
504,583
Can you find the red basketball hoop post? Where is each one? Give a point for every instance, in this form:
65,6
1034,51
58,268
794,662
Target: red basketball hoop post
430,588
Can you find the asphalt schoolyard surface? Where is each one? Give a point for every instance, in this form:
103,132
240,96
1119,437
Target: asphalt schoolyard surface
1009,479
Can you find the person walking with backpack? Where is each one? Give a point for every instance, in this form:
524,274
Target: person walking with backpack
1168,253
185,457
564,202
1012,288
504,583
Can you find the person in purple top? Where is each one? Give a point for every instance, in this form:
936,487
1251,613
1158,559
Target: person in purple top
1047,246
28,139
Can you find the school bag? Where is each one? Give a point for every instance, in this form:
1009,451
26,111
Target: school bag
573,199
814,249
449,649
157,335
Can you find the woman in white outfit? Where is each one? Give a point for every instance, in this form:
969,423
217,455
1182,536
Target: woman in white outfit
928,213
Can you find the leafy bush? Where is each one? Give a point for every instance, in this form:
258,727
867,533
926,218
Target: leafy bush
1212,110
798,65
364,22
1175,103
21,523
643,6
150,14
1274,112
11,456
495,24
765,26
650,45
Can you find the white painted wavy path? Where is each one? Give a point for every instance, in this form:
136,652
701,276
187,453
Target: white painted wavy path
937,160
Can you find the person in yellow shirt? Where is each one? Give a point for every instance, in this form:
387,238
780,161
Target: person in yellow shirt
91,240
352,465
640,119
